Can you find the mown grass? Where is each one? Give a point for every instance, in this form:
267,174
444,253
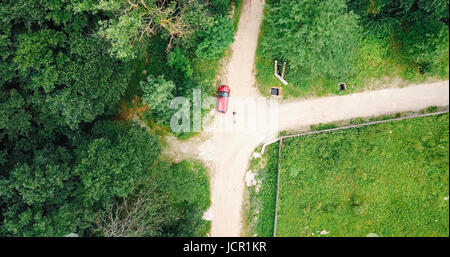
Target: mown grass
390,179
375,64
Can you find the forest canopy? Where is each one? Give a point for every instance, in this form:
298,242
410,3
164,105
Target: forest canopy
68,162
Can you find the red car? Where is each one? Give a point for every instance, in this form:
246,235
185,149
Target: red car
223,94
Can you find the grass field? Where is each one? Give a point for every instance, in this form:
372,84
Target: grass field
390,179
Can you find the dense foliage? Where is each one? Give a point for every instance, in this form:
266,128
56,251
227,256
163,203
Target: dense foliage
216,39
317,38
171,203
418,28
65,165
352,41
157,93
185,49
60,188
390,179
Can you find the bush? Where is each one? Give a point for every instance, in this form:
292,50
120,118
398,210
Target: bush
157,93
317,38
178,61
220,7
216,39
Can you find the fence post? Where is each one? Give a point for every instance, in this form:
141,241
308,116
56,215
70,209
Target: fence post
283,70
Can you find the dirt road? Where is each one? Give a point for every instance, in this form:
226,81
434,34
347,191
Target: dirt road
227,153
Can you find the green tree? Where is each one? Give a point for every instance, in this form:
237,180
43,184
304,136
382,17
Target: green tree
36,196
6,51
54,60
221,7
61,191
187,188
14,119
157,93
138,20
178,61
110,169
78,83
216,39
